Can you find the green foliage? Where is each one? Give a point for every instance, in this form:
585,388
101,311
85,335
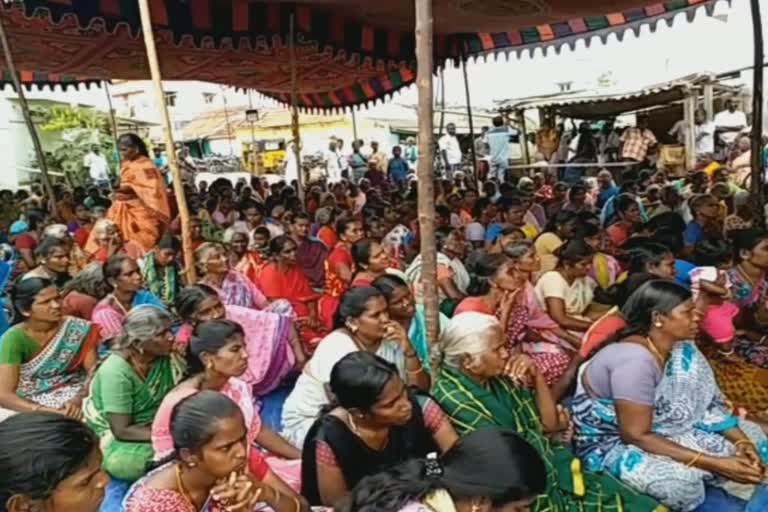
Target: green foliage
81,128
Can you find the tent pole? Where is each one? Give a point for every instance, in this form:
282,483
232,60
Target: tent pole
11,66
178,185
425,172
689,116
471,122
295,111
442,103
523,137
757,116
226,120
112,120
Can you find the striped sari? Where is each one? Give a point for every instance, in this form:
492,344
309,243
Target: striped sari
472,406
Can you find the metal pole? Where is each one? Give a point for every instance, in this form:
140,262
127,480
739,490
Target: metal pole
757,117
523,137
11,66
471,122
295,112
226,120
112,122
178,185
426,192
354,124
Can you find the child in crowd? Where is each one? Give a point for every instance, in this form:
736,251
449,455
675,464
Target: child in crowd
711,290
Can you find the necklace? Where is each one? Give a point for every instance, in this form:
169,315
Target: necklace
118,304
655,352
746,276
180,485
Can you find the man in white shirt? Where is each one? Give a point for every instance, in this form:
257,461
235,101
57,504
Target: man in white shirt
332,163
730,122
450,150
97,166
705,134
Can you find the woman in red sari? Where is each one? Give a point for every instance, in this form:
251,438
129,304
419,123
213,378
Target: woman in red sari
141,209
339,269
282,278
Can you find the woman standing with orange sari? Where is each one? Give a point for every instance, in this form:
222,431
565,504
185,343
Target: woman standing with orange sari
141,208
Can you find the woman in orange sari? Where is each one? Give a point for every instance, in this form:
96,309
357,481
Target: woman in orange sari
141,208
339,270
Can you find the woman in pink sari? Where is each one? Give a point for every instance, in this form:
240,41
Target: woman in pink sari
501,287
217,359
270,338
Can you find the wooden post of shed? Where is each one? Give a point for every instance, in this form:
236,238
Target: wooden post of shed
425,173
756,189
523,138
471,121
178,185
709,100
689,111
11,66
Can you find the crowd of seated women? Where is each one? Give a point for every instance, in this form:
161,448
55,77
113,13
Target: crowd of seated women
585,360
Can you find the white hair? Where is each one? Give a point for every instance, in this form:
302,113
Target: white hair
466,333
56,231
141,324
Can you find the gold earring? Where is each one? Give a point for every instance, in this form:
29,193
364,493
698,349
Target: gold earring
657,325
209,365
475,508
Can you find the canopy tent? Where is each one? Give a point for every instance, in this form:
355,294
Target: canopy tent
606,103
348,52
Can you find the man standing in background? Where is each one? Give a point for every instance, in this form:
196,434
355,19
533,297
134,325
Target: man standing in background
98,169
450,150
498,148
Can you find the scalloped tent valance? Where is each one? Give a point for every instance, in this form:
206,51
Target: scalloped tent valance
349,53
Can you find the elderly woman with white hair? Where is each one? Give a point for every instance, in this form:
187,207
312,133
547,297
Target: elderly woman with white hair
106,241
479,385
128,388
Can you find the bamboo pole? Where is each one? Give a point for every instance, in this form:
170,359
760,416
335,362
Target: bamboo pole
523,137
227,121
425,173
295,111
758,200
178,185
11,66
112,122
471,122
689,116
441,79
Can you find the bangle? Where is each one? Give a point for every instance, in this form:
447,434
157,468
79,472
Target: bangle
762,340
278,496
414,372
411,354
694,460
744,441
297,503
727,352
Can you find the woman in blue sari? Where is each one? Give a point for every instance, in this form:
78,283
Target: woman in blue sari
404,310
648,410
122,276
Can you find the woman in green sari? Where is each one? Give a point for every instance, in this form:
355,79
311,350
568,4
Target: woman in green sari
128,388
46,357
475,385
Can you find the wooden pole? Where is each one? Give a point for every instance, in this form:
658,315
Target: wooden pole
227,121
354,125
425,173
11,66
178,185
471,122
689,116
442,103
523,137
709,100
295,111
112,121
757,117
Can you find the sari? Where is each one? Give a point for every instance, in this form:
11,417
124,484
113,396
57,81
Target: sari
239,392
417,334
294,287
472,406
605,270
267,341
689,411
310,255
54,374
108,313
163,282
237,290
335,287
143,218
117,389
309,396
745,380
250,265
